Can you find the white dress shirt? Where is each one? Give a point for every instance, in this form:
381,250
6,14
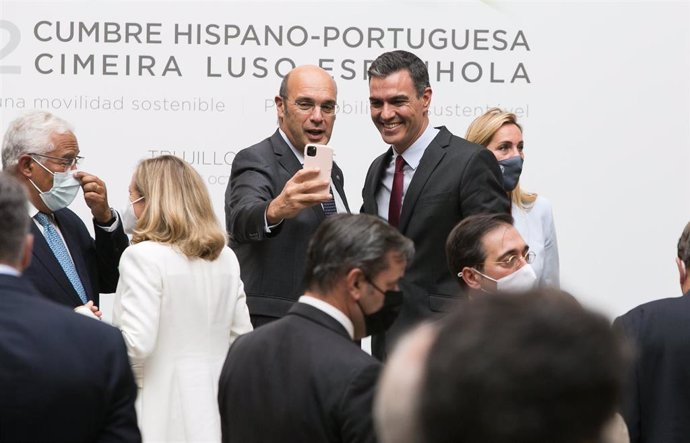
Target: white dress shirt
412,156
332,311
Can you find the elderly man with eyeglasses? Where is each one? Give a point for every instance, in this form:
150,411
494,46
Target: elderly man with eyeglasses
68,266
273,204
487,254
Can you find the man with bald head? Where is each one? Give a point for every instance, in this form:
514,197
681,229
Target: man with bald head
273,204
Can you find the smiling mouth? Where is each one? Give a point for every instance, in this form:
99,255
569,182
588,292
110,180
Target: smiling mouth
389,126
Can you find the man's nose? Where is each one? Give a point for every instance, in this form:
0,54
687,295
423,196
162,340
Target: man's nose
316,114
387,111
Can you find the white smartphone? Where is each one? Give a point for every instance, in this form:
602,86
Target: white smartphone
319,156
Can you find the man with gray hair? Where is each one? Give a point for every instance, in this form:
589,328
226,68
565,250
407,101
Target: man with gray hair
63,377
302,378
657,398
68,266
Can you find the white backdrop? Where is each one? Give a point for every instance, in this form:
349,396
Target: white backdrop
601,88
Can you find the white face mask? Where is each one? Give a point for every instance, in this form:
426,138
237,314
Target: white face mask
64,190
129,218
521,280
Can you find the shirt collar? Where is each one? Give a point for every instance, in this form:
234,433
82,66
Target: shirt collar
9,270
413,154
299,155
331,310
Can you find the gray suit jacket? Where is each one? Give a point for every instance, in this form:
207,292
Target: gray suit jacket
271,265
454,179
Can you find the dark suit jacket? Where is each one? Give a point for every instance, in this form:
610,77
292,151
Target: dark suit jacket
298,379
96,261
271,265
63,377
656,406
454,179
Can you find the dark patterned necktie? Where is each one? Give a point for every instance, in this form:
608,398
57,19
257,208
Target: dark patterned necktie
329,207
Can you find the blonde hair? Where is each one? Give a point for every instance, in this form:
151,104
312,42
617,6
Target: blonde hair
483,129
177,208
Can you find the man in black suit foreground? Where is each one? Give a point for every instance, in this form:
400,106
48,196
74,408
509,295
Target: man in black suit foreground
424,184
531,367
63,377
657,400
302,378
273,205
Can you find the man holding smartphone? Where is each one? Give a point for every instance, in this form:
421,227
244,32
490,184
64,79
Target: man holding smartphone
273,204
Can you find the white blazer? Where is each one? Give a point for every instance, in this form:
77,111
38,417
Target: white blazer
178,317
536,227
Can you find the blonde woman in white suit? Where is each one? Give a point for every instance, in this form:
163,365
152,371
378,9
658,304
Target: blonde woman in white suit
180,302
500,132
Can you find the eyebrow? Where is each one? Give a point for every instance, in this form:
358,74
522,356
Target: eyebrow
513,252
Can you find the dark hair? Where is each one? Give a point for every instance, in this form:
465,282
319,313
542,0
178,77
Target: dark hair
464,243
347,241
14,219
394,61
529,368
684,246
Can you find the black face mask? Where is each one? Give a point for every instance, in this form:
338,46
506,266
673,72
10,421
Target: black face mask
379,321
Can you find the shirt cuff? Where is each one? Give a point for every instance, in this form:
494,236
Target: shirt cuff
267,229
112,226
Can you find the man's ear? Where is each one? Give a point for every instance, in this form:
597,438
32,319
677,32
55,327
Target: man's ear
355,283
25,166
471,278
279,106
682,272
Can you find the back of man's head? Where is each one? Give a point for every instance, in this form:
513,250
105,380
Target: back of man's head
14,220
529,368
347,241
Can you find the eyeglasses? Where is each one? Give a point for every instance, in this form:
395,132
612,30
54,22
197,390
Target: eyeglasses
307,106
512,261
65,162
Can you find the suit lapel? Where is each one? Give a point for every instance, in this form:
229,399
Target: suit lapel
373,181
42,255
433,155
337,179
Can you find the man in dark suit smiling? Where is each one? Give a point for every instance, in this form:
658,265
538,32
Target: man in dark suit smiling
424,184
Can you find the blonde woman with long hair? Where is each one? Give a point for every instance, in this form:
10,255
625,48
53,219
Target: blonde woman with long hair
500,132
180,302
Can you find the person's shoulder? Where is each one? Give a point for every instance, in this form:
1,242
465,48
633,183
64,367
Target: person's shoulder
265,145
670,305
458,145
